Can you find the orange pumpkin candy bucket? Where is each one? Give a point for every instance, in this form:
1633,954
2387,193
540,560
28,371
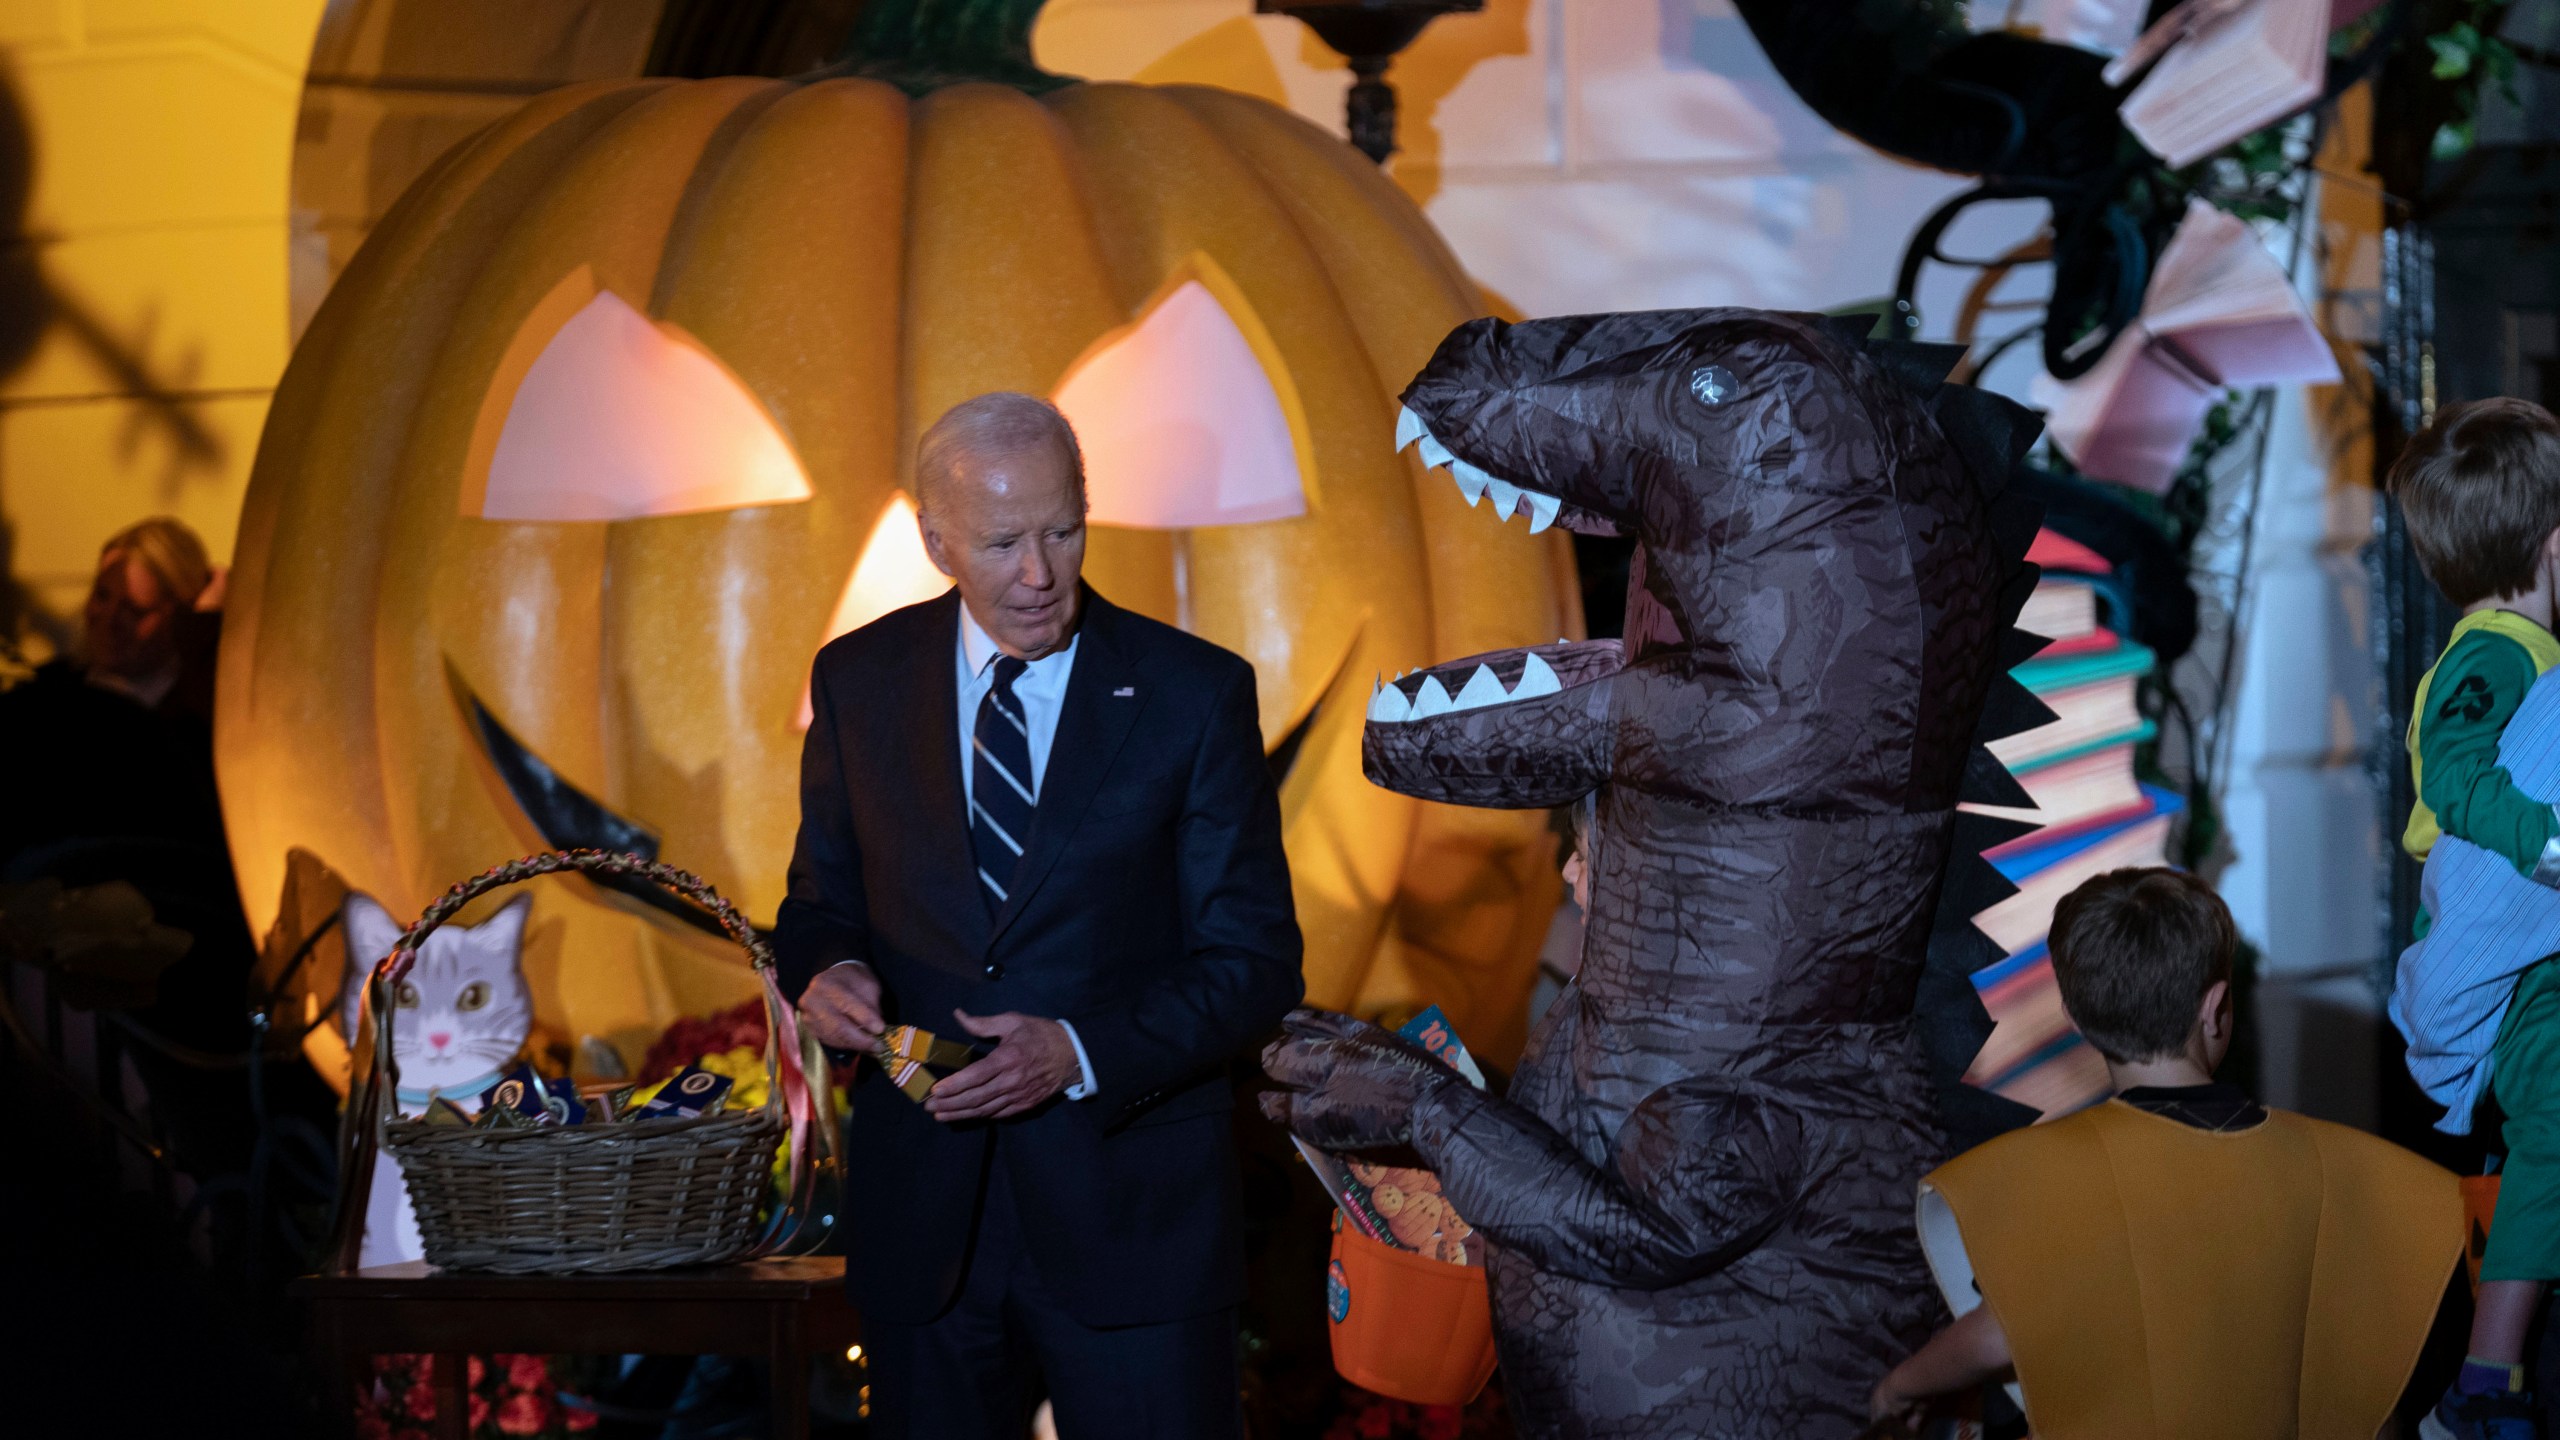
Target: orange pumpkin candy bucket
1407,1326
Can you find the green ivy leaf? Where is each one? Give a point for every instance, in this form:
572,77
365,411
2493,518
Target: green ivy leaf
2452,140
2453,55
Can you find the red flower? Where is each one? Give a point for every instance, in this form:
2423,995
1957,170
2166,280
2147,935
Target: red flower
474,1371
528,1372
695,1036
1376,1423
575,1420
372,1427
524,1413
420,1400
479,1412
1442,1422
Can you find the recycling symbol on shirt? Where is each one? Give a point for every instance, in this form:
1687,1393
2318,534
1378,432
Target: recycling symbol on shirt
2470,700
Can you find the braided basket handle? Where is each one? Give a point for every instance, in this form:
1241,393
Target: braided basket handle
789,1096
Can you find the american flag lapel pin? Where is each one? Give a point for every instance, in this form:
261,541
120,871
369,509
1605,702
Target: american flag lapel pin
1126,690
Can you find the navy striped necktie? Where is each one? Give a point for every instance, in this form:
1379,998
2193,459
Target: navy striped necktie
1002,793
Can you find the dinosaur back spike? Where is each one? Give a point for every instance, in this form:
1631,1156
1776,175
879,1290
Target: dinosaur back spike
1973,885
2014,523
2010,709
1852,329
2017,647
1992,432
1988,782
1922,367
2014,591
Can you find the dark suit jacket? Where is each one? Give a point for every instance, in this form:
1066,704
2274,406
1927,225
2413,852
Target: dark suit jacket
1151,910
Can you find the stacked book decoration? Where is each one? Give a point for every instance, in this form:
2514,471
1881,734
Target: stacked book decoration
2089,816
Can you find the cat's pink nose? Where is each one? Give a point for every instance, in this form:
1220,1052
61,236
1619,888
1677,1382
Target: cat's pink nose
440,1038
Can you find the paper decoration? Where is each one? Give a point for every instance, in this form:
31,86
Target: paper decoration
2219,313
2227,68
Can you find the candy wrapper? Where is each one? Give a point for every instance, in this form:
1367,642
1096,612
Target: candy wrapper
694,1091
912,1057
1400,1205
517,1101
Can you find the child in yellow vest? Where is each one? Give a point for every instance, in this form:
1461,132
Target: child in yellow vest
2480,488
2181,1262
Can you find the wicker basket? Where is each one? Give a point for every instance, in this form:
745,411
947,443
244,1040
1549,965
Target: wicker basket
630,1196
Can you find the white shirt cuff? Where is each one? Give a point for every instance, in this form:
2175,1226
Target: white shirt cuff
1083,1088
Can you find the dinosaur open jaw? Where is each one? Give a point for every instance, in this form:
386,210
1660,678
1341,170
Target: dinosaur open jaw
1477,484
1501,677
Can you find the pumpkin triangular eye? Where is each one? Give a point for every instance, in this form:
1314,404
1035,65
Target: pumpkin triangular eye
620,417
1187,417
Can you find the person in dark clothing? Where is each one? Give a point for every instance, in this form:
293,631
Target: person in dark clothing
111,771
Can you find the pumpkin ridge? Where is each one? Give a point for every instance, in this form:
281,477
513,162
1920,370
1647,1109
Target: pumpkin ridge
702,183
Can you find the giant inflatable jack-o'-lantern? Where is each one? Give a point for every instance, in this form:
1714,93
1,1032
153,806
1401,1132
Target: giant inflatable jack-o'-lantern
604,431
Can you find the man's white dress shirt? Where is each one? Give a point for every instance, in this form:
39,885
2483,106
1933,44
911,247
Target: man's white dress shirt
1042,689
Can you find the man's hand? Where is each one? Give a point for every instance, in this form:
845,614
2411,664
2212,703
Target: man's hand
1352,1085
1032,1061
842,1007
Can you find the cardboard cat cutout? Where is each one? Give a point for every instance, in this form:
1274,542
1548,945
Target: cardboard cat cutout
1697,1196
461,1018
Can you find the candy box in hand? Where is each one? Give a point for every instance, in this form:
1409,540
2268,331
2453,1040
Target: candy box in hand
1402,1205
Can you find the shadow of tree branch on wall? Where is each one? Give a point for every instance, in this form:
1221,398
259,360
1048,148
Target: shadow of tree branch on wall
32,305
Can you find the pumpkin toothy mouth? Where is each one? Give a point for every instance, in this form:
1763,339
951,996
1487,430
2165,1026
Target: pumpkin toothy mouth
568,818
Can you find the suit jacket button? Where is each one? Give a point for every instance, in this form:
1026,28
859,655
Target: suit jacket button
994,971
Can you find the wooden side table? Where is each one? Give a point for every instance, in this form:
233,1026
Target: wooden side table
784,1310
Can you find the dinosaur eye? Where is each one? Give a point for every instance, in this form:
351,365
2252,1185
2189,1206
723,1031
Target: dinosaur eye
1713,384
408,996
474,995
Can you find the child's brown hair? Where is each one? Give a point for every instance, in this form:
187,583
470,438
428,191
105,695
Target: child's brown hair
2480,486
2133,953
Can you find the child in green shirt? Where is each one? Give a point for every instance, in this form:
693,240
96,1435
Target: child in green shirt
2480,488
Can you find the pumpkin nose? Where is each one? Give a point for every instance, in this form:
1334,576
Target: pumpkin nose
440,1038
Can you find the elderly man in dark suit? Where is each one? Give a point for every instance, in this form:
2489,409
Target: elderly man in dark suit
1035,817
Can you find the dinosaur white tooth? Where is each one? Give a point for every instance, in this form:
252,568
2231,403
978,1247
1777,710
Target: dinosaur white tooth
1505,496
1434,699
1537,678
1433,453
1409,427
1481,689
1542,511
1471,481
1388,706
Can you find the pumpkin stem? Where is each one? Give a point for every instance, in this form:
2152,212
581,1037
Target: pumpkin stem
922,45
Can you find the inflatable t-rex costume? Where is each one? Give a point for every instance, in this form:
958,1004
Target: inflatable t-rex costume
1699,1190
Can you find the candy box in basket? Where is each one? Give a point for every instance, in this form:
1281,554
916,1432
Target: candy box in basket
694,1091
